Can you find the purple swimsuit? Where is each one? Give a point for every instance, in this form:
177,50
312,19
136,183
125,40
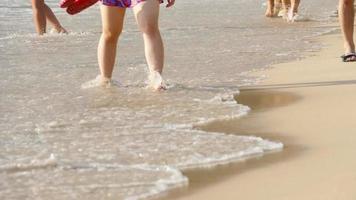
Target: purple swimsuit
123,3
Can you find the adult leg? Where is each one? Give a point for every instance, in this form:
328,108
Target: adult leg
295,5
146,14
270,8
284,11
346,17
39,16
292,12
112,22
53,20
285,4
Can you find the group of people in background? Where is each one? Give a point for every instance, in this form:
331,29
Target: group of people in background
287,9
146,13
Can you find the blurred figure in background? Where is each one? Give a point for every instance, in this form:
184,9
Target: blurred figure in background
270,8
287,9
42,13
277,8
293,11
346,18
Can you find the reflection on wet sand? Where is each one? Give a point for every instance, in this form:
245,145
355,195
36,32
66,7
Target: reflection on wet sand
265,99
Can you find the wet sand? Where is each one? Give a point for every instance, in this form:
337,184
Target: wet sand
310,106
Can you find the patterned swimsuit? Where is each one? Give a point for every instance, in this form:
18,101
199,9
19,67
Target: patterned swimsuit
123,3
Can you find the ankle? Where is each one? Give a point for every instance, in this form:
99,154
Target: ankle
104,78
349,48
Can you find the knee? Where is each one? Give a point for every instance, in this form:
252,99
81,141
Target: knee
149,28
111,36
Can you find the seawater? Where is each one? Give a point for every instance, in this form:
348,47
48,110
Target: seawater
59,141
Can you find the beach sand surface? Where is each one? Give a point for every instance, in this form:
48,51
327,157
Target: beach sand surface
310,106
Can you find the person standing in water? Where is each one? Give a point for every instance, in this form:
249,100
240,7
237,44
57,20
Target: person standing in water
41,14
270,9
288,9
293,11
277,8
346,18
146,13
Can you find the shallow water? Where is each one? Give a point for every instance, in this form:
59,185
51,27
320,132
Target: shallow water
60,141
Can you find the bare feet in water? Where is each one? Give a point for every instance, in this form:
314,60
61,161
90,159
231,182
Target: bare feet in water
100,81
269,12
59,29
270,8
155,81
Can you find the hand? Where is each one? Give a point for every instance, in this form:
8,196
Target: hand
170,3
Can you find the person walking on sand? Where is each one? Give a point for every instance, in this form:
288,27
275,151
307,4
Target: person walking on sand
146,13
42,13
277,8
346,18
270,8
292,15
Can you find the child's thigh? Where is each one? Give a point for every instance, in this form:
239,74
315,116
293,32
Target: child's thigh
112,18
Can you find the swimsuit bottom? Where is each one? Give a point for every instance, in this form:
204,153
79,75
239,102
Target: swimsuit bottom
123,3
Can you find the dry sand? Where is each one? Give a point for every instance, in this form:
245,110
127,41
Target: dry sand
309,105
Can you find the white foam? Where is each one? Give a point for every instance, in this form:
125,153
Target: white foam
52,34
53,31
29,164
100,82
18,35
177,179
261,146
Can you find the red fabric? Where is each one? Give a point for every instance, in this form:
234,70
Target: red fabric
66,3
76,6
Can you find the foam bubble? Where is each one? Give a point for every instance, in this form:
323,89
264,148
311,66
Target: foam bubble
100,81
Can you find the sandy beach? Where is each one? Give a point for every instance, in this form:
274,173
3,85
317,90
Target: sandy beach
310,106
63,138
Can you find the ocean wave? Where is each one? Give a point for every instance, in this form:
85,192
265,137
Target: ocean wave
29,164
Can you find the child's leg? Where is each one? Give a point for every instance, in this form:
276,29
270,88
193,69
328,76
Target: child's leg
39,16
53,20
146,14
270,7
112,22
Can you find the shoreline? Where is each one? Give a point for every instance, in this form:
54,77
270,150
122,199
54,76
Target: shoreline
298,105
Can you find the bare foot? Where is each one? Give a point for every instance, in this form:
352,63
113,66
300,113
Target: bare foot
155,82
269,12
59,29
291,16
62,30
